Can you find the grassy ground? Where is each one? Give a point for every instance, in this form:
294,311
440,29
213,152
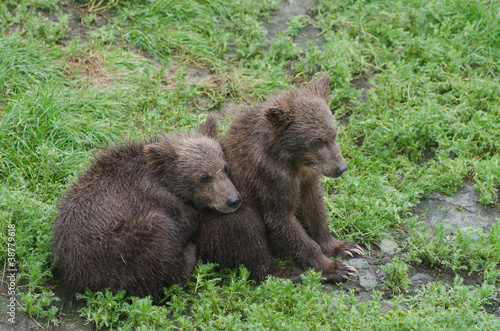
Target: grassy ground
124,70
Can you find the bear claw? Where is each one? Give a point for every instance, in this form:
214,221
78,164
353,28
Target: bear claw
351,269
358,251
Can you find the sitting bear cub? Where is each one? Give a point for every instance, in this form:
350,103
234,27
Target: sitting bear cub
277,152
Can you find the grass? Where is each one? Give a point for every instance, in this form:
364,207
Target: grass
466,249
230,303
397,276
430,122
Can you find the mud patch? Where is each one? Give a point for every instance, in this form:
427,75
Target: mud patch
188,75
68,313
362,84
228,111
89,68
462,209
212,87
22,321
279,21
82,18
216,92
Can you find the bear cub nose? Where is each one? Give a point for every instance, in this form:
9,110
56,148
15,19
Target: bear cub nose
340,170
233,202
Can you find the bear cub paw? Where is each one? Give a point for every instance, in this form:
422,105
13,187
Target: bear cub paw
337,272
344,249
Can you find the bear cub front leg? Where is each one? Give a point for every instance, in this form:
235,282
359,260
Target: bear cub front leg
312,215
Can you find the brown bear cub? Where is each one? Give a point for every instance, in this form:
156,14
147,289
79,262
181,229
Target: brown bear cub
277,153
129,221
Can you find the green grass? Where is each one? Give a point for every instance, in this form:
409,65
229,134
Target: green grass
429,123
466,249
230,303
397,276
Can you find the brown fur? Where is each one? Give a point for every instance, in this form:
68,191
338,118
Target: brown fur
276,153
129,220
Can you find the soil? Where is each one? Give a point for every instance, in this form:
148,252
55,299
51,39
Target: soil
89,68
77,27
279,21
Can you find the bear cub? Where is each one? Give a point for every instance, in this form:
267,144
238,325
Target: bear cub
277,152
128,222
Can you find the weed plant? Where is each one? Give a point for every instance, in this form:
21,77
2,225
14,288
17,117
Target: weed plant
468,249
70,87
397,276
230,302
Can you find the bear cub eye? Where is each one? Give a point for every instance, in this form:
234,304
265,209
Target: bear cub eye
318,142
226,169
205,179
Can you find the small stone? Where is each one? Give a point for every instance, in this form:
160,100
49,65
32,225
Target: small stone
420,278
359,263
367,280
388,246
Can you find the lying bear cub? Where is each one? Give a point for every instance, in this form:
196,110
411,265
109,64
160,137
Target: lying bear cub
128,222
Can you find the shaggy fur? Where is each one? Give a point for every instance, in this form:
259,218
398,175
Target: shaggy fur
277,152
129,220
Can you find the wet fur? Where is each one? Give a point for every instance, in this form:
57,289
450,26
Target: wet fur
276,162
128,222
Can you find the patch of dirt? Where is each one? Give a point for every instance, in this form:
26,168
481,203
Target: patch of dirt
227,111
279,21
89,68
78,25
68,309
361,83
83,17
210,83
192,75
428,153
218,90
9,310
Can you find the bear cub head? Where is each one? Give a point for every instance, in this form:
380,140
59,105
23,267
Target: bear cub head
194,169
304,129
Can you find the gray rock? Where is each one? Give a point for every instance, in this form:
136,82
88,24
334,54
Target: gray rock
359,264
420,278
388,246
367,280
461,210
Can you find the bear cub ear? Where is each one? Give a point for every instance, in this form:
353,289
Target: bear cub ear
161,152
279,115
321,86
209,127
